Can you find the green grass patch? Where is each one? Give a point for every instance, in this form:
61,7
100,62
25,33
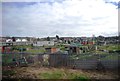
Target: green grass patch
77,76
22,46
110,47
7,58
36,51
110,57
63,74
8,72
82,57
51,75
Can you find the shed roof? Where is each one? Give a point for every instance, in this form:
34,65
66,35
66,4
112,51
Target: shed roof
76,44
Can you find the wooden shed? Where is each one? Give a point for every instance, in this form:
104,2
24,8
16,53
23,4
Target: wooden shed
51,50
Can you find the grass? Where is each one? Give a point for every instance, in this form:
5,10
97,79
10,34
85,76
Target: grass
22,46
53,75
77,76
62,74
7,58
8,72
36,51
30,49
110,57
90,56
110,47
97,52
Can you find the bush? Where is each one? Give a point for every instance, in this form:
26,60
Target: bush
80,78
8,72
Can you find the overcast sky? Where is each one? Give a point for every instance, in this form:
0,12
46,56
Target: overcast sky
74,18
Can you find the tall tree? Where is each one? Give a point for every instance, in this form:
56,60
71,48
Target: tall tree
38,39
13,39
57,37
48,38
69,42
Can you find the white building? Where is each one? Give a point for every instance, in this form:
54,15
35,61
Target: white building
21,40
24,40
9,40
18,40
43,43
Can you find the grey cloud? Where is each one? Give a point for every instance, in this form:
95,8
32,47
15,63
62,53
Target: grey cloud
110,34
56,32
99,18
39,20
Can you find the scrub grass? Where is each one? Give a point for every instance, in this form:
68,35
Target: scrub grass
8,72
62,74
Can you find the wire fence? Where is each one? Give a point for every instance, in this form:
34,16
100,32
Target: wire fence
82,61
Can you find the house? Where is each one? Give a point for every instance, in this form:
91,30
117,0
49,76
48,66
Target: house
66,39
3,39
43,43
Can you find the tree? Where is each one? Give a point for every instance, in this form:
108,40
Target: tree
48,38
57,37
28,39
62,39
13,39
69,42
38,39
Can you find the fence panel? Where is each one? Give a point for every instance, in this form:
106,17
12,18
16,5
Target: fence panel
88,61
57,60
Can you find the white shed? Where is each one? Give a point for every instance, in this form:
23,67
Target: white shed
9,40
43,43
18,40
24,40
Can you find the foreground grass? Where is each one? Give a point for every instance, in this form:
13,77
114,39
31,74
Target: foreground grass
44,73
8,72
55,73
62,74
